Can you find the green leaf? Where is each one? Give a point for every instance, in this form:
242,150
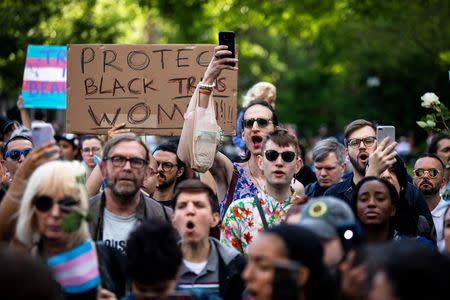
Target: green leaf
431,123
422,124
71,222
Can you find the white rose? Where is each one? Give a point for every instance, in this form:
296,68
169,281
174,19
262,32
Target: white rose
429,99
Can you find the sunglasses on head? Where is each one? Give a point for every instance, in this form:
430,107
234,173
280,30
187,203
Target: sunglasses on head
272,155
432,173
44,203
16,154
248,123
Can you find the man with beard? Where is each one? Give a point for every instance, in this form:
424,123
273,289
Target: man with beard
122,206
429,177
170,172
363,153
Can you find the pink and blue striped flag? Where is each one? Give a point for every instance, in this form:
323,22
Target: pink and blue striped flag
44,77
76,270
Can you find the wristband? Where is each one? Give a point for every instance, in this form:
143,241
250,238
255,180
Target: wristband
204,91
206,86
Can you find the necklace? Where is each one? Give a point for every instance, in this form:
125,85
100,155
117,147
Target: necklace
253,177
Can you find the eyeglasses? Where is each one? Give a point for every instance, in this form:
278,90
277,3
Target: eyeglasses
368,142
120,161
272,155
260,121
93,150
44,203
166,166
432,173
16,154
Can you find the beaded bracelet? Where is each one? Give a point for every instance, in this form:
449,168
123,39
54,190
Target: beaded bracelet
206,86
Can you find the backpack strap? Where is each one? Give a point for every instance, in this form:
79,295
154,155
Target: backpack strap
261,212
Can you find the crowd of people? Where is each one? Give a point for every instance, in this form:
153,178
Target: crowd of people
102,217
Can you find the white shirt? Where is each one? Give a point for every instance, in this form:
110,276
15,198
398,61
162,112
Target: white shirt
116,229
438,219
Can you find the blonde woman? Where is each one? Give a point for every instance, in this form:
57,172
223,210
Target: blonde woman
52,224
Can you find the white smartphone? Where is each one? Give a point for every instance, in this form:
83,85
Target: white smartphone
385,131
41,133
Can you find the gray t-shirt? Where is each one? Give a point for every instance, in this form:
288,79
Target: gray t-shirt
116,229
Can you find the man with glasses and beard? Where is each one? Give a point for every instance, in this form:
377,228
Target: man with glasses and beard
246,217
429,177
368,157
170,170
16,149
122,206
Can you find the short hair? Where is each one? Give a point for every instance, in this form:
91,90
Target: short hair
433,148
282,138
264,103
21,133
172,147
52,178
261,90
432,156
323,148
392,192
195,186
357,124
20,266
86,137
414,270
153,254
123,137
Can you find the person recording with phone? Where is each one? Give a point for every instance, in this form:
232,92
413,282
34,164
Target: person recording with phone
368,157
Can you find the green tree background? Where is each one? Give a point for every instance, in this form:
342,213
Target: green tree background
319,54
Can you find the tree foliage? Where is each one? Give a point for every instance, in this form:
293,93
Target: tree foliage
319,54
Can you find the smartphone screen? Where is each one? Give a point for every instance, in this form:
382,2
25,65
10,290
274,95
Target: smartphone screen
385,131
227,38
286,281
351,236
41,133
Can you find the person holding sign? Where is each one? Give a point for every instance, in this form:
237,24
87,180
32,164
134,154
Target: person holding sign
237,180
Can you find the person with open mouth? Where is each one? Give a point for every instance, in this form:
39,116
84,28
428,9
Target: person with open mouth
207,264
247,217
237,180
366,156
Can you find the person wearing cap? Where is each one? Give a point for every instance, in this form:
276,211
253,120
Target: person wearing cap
7,127
68,145
16,149
322,215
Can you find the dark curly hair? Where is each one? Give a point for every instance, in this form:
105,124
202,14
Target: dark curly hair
152,253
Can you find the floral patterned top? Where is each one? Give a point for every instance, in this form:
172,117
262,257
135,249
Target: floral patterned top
244,188
242,221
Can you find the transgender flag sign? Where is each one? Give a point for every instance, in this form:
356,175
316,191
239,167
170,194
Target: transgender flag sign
77,269
44,78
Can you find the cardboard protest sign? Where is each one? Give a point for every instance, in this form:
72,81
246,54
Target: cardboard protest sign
44,78
147,87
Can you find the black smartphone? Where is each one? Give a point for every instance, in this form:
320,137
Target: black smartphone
227,38
351,236
286,280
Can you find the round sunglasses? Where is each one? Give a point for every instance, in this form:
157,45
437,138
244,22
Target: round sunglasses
272,155
44,203
16,154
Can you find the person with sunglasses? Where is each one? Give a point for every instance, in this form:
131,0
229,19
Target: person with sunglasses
237,180
246,217
368,157
170,172
429,177
16,149
54,191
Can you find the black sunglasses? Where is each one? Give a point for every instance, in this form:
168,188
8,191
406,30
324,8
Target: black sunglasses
44,203
272,155
248,123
